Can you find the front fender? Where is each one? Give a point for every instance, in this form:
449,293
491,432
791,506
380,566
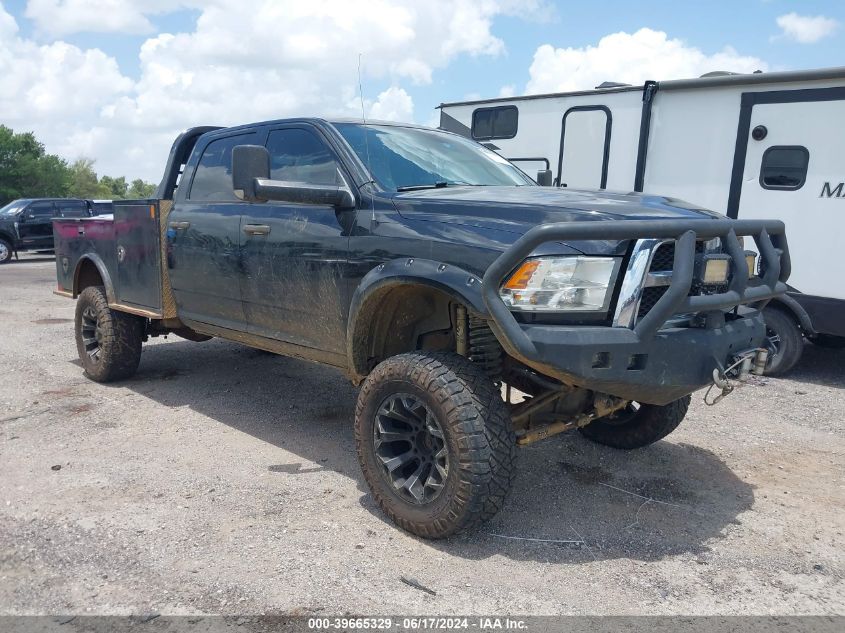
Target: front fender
462,286
98,263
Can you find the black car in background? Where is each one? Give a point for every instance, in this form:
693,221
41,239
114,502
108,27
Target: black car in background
100,207
27,224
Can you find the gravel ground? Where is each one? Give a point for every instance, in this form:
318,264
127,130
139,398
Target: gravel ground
223,480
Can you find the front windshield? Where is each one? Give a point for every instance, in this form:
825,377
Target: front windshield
13,207
402,158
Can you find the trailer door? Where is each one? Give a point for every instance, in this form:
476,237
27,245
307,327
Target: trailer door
795,171
584,147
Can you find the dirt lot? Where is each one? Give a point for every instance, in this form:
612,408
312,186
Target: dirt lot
222,479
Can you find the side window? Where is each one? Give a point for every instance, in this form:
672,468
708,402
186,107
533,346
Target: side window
299,155
784,167
493,123
72,209
40,211
213,180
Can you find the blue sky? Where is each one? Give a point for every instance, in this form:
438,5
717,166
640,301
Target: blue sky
498,54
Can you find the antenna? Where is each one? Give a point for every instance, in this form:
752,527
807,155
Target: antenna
366,133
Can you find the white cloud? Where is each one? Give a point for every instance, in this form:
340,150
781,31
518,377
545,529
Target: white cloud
394,104
61,17
628,58
278,58
806,29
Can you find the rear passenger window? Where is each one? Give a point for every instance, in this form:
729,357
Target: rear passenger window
784,167
41,210
493,123
298,155
213,179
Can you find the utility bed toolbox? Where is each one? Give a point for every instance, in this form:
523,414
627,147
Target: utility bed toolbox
128,249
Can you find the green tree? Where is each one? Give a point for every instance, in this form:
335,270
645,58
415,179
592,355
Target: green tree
141,189
84,182
27,170
116,187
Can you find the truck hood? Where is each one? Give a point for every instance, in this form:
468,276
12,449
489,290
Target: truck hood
518,209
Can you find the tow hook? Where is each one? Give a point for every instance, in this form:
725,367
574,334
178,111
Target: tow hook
742,365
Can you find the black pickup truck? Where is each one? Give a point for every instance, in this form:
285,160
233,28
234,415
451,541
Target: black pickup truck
26,224
478,311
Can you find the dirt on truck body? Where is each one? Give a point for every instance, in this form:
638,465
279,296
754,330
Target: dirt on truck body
440,278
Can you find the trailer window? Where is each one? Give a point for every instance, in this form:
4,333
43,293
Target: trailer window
213,179
784,167
493,123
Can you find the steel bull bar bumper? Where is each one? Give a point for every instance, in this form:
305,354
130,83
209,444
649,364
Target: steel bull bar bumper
654,361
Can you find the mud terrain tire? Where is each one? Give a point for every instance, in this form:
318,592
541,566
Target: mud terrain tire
469,425
634,428
108,341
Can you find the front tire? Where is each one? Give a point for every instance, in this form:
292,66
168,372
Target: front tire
637,425
435,442
784,339
6,251
108,341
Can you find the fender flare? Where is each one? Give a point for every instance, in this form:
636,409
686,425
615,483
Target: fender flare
792,305
104,275
461,285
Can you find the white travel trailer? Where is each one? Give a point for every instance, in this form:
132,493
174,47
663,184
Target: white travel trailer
762,145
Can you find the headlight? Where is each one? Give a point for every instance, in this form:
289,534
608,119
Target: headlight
553,284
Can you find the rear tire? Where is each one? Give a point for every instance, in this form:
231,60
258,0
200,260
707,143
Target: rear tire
108,341
635,427
6,251
784,340
435,442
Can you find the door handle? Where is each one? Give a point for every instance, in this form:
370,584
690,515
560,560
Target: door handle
178,225
256,229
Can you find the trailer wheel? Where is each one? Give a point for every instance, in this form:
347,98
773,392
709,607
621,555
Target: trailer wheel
108,341
637,425
435,442
5,251
784,339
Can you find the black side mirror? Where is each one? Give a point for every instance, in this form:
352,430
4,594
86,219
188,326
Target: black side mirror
251,181
544,177
249,162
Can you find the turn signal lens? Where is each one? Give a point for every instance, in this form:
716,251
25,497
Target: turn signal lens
519,280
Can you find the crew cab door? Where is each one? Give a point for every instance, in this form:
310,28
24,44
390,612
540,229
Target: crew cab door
204,234
295,255
35,226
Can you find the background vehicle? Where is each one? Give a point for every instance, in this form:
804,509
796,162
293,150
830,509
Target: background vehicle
749,146
100,207
431,271
27,224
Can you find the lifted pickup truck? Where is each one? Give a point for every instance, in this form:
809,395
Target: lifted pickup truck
439,277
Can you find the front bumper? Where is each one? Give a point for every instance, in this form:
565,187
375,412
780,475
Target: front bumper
658,370
652,362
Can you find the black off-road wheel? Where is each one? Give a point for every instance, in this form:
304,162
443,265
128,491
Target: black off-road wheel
108,341
6,251
784,340
435,443
637,425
